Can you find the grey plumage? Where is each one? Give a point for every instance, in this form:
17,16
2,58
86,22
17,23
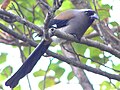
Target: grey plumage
73,22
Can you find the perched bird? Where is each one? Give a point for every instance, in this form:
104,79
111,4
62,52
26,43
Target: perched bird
74,22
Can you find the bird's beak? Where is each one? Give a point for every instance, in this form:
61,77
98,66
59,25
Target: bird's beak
94,16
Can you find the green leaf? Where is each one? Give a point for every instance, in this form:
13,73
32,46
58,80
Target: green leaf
1,1
106,86
116,67
83,60
94,55
39,73
50,2
89,30
103,14
2,78
106,6
3,57
70,75
99,2
79,48
94,52
59,52
7,71
17,88
53,66
66,5
26,51
114,23
1,87
117,84
96,59
49,81
59,72
97,39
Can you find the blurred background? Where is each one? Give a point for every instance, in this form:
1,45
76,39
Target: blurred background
51,73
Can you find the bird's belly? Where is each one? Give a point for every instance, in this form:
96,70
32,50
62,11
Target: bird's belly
55,39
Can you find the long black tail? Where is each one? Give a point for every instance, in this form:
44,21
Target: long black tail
28,64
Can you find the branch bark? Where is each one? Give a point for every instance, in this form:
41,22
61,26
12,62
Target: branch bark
88,42
11,18
60,57
70,53
83,66
84,40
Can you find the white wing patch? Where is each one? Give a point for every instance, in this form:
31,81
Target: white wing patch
54,25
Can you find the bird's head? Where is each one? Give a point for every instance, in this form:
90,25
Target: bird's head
90,13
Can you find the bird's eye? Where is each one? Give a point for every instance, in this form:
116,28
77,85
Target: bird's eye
89,13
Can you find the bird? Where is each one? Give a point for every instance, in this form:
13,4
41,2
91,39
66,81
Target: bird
72,21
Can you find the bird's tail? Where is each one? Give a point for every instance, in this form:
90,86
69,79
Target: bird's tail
28,64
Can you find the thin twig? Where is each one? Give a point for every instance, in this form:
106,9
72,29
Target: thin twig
89,59
19,8
60,57
11,18
44,81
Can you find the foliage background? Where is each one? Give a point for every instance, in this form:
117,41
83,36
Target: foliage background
49,71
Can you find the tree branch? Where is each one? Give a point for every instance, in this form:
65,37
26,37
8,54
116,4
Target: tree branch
11,18
60,57
83,66
88,42
18,36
